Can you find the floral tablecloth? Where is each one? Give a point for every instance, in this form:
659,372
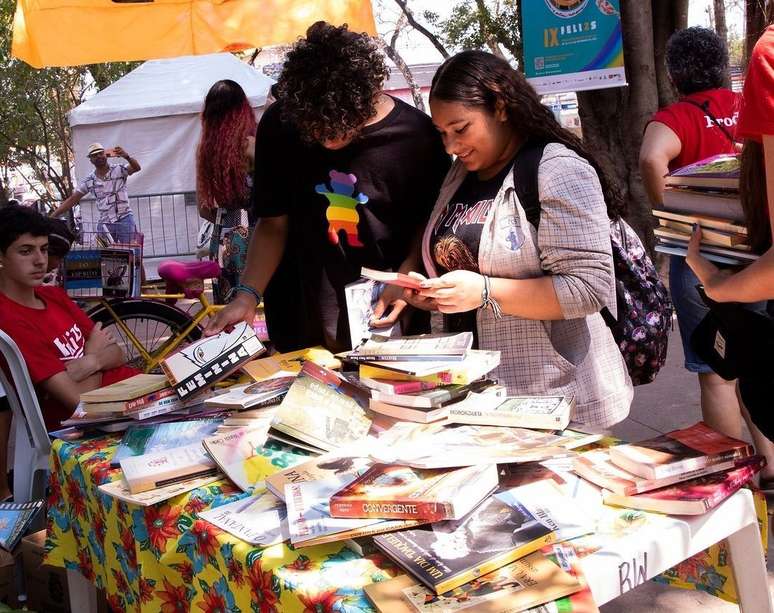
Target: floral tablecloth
165,559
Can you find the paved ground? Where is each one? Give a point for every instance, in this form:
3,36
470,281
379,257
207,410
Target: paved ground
670,402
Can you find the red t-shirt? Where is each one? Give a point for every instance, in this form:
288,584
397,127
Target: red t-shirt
756,115
48,338
699,135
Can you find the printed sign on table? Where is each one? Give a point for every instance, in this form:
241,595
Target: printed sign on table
572,45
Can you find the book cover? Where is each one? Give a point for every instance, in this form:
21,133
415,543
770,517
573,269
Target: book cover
152,470
128,389
15,518
259,520
400,492
236,453
568,559
595,466
431,398
468,445
83,272
540,413
475,365
117,272
422,415
240,397
286,364
344,464
445,555
678,452
518,586
120,489
210,359
153,438
391,278
718,171
287,439
361,297
693,497
323,409
514,475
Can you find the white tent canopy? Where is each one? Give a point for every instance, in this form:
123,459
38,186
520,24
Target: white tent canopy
153,113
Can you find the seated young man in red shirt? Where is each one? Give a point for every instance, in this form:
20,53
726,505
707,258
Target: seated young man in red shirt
66,353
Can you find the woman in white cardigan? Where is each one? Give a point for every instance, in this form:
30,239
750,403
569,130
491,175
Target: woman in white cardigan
533,294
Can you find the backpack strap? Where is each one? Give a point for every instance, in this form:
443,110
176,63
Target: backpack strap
525,178
704,106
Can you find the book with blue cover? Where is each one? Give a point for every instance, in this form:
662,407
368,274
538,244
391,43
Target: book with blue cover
142,439
15,518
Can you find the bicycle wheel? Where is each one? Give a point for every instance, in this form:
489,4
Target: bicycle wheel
151,322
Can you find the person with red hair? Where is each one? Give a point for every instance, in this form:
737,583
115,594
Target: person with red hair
224,163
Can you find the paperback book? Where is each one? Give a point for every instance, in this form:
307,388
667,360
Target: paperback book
536,412
476,364
117,266
595,466
208,360
263,393
259,520
446,555
431,398
429,347
679,451
400,492
528,582
310,522
716,172
693,497
391,278
288,364
704,220
83,272
15,518
236,453
128,389
422,415
361,298
152,470
153,438
323,409
393,387
691,201
135,404
120,489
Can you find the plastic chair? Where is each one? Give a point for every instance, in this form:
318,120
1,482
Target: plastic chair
30,463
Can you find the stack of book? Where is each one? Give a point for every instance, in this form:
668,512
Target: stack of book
684,472
139,397
705,193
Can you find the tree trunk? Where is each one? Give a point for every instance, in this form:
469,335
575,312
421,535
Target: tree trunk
416,92
755,23
719,10
614,119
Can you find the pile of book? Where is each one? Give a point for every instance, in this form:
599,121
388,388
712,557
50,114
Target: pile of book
684,472
705,193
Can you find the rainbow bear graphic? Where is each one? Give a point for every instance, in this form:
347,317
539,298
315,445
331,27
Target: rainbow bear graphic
342,207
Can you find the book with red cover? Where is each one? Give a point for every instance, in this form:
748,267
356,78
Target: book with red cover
391,278
679,451
692,497
387,491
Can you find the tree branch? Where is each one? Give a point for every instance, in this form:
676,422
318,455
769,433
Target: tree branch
421,29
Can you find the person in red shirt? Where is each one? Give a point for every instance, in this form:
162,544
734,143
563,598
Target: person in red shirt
701,124
66,353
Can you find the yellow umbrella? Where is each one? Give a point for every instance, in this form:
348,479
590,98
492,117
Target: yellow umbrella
71,32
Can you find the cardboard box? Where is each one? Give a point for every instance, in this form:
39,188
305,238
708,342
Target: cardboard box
46,585
8,591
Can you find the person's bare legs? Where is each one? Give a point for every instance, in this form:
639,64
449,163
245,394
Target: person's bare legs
720,404
763,446
5,431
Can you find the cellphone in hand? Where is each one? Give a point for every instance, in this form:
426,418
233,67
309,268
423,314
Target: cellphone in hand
111,153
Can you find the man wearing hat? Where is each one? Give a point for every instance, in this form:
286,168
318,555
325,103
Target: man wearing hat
108,185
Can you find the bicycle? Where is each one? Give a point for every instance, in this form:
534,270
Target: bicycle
151,327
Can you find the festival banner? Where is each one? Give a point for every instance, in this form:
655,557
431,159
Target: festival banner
572,45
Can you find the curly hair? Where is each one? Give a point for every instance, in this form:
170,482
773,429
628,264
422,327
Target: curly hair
696,59
329,84
227,120
480,79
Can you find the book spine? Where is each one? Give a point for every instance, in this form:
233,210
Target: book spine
401,357
394,509
148,399
409,387
162,407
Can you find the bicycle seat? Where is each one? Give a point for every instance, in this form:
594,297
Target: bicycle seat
185,272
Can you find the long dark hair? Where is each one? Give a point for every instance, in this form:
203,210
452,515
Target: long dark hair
227,119
480,79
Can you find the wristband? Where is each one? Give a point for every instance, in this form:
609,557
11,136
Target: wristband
247,289
487,301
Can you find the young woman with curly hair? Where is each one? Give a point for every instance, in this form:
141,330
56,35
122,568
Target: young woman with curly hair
345,177
224,164
535,295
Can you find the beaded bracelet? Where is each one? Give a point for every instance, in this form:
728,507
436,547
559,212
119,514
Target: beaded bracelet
488,301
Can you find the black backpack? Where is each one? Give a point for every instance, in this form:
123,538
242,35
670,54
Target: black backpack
644,307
